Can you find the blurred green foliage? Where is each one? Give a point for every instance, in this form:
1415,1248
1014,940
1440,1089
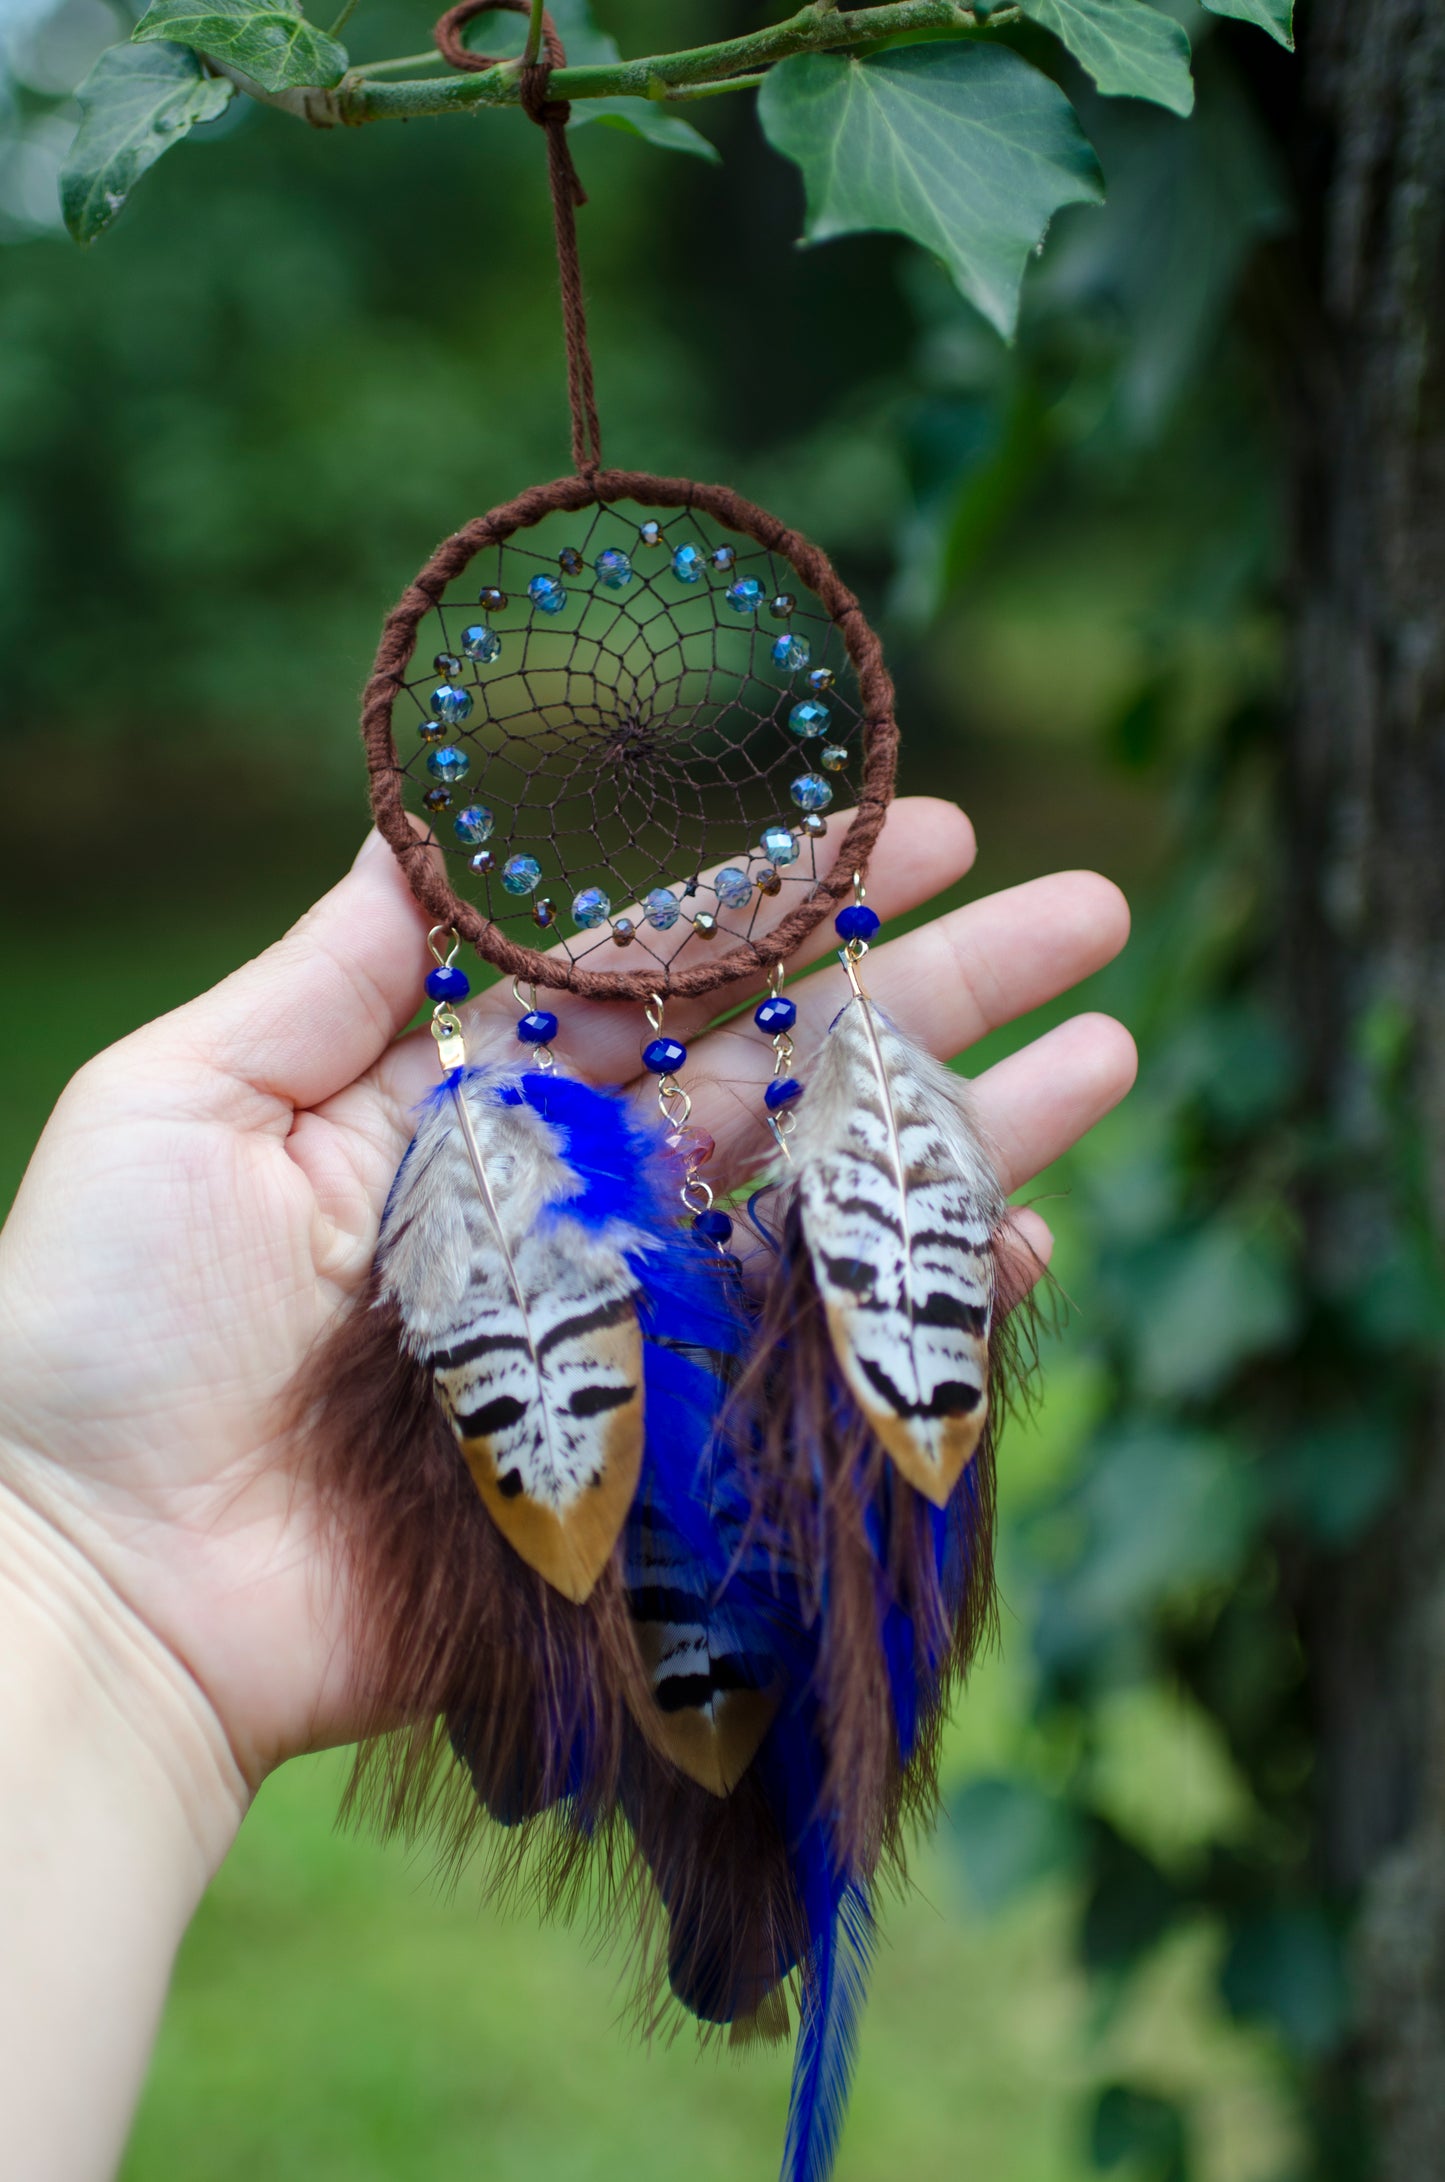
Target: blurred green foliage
225,436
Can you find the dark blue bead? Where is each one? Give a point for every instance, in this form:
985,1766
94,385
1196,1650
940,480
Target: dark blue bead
714,1227
775,1015
447,984
664,1056
537,1029
857,921
782,1091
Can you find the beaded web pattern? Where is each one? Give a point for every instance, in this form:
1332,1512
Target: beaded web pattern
629,734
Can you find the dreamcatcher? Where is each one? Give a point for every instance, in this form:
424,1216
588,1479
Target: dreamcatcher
671,1523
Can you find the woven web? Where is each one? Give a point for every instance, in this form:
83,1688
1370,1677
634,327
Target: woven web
642,742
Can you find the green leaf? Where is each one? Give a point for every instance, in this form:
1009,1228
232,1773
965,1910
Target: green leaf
1275,16
963,147
1130,49
135,104
271,43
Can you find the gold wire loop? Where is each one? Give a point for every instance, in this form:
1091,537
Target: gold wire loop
444,961
529,1006
860,891
696,1195
654,1010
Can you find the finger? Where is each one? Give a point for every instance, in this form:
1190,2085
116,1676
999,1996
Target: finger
946,984
1036,1105
1022,1250
925,846
318,1008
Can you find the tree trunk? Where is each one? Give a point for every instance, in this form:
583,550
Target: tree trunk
1366,814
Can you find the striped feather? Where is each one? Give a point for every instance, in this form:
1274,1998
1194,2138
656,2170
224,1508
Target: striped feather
527,1318
899,1206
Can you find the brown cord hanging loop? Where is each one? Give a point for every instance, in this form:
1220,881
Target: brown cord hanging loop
550,115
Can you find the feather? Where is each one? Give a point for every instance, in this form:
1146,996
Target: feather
900,1204
527,1319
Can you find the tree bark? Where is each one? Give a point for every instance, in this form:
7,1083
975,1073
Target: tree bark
1366,962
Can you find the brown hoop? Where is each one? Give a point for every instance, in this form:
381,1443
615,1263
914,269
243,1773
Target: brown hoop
750,958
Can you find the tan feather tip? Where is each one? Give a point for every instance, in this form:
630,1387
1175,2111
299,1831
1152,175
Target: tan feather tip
570,1549
717,1752
935,1476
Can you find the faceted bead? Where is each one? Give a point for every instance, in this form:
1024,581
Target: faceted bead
768,880
520,874
538,1028
857,921
662,909
481,643
775,1015
821,680
474,824
815,824
590,908
547,594
782,605
570,561
733,888
624,931
809,718
790,652
745,596
445,983
481,864
694,1147
437,799
613,568
811,792
450,703
544,913
688,562
714,1227
490,599
704,924
833,757
448,763
664,1056
779,845
782,1091
650,532
447,663
724,556
433,731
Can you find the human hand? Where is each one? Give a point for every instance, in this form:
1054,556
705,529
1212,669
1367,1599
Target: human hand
206,1198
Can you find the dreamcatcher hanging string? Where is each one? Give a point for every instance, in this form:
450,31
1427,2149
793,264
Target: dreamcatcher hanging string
551,116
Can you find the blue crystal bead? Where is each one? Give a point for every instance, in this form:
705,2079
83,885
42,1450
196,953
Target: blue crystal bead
613,568
538,1028
590,908
450,703
650,532
664,1056
833,757
790,652
448,763
745,596
474,824
481,864
775,1015
520,874
661,909
547,594
688,563
733,888
809,718
811,792
782,1091
481,643
445,983
714,1227
725,556
821,680
779,845
857,921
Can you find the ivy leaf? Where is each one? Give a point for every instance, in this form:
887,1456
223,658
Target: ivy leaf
964,147
1129,48
1275,16
266,40
135,104
588,46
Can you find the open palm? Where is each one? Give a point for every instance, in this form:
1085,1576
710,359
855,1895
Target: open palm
206,1198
